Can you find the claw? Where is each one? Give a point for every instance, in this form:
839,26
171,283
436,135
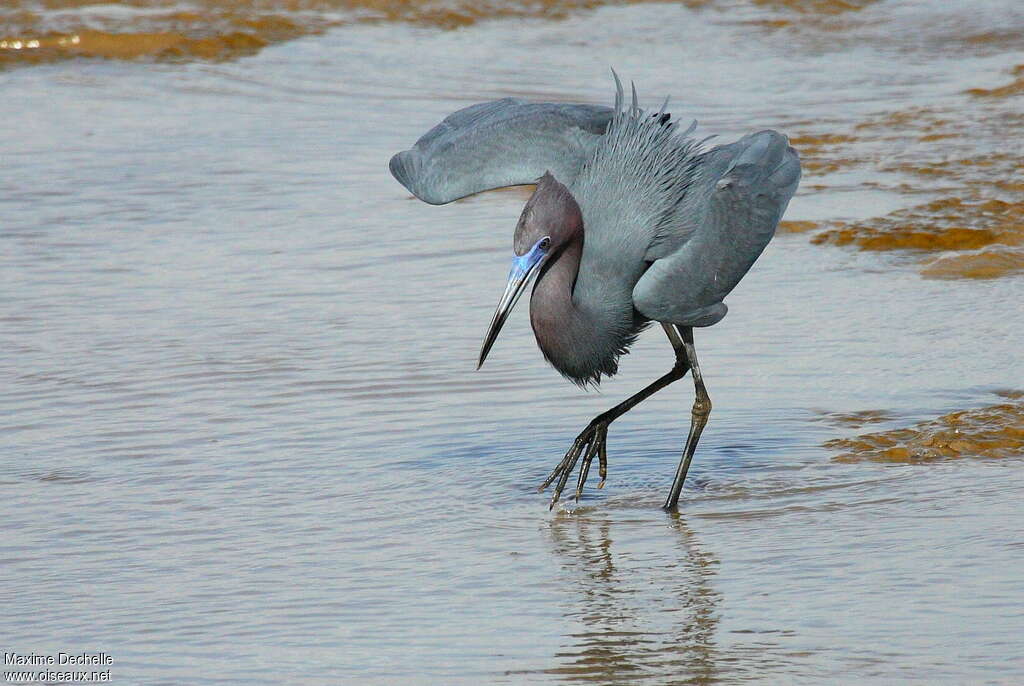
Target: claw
585,468
565,477
559,468
564,468
590,443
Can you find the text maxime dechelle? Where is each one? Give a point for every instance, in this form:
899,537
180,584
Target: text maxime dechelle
60,659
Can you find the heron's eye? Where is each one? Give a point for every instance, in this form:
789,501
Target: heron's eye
545,243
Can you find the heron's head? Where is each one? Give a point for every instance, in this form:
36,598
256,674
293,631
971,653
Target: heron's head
549,222
552,213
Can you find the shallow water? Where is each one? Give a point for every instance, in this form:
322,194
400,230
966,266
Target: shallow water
243,441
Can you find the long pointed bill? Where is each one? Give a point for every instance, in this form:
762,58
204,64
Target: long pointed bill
523,269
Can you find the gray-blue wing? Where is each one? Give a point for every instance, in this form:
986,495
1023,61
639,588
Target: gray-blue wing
506,142
728,216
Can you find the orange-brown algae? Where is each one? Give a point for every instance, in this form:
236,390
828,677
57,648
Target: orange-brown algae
943,225
983,264
818,151
1016,87
798,226
826,7
992,432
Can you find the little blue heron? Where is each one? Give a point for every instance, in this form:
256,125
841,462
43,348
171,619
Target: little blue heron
631,222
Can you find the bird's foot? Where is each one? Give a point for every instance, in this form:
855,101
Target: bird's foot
591,441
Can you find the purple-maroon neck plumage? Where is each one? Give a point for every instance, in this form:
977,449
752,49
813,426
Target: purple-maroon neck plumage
580,334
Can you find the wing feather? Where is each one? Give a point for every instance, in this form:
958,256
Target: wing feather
727,219
506,142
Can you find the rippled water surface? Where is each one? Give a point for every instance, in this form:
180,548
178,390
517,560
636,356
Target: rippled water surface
241,435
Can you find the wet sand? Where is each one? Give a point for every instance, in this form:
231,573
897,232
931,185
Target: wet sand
243,439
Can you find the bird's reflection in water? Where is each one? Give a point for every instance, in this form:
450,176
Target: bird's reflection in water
642,598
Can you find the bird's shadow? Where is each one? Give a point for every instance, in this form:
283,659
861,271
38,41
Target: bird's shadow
638,603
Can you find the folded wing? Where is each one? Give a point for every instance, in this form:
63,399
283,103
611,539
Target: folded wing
727,218
507,142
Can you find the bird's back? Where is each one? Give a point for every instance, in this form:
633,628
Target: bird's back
629,190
